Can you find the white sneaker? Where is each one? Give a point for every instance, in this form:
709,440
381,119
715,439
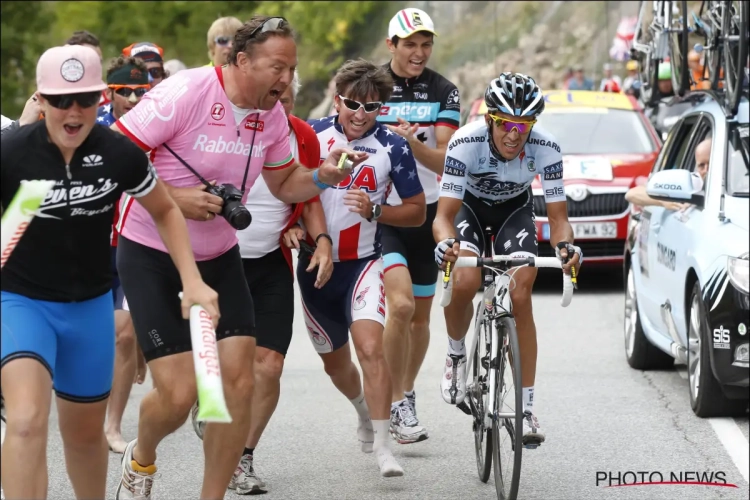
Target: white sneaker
245,481
198,427
532,431
365,435
134,485
405,427
453,383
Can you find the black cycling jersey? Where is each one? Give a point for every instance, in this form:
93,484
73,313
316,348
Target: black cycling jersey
64,255
429,100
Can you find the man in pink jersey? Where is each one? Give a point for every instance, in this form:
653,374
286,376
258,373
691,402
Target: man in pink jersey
354,298
211,131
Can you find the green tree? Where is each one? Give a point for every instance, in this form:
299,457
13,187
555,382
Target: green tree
328,33
20,48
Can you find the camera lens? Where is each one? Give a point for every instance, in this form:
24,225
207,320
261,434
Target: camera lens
237,215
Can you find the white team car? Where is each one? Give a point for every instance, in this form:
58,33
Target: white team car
686,271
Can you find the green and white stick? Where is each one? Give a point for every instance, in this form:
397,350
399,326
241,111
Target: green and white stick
212,406
19,214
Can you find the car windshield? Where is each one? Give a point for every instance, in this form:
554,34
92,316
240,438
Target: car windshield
737,161
597,131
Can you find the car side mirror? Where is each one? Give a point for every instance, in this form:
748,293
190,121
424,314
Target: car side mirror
676,185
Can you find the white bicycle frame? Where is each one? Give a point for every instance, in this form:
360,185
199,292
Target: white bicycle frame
500,299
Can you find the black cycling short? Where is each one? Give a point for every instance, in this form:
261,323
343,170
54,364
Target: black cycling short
512,223
152,285
414,248
272,285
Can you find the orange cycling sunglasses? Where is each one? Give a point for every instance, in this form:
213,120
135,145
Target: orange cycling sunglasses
509,125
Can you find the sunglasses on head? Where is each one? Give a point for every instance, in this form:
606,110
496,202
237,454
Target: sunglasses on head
509,125
157,72
370,107
65,101
270,24
223,41
126,91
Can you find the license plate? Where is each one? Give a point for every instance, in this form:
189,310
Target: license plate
588,230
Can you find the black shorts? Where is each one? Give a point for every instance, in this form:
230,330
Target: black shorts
413,247
272,285
512,225
152,284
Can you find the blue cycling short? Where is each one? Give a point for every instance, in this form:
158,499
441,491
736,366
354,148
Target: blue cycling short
74,341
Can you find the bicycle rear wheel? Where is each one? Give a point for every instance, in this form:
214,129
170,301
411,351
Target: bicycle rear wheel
734,40
507,432
478,395
678,49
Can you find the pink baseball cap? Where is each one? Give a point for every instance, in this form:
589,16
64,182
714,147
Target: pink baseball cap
71,69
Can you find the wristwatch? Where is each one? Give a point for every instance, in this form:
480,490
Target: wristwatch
377,211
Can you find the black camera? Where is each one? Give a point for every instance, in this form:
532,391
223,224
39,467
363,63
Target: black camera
233,211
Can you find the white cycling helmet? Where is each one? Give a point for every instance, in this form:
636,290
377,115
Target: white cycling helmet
514,94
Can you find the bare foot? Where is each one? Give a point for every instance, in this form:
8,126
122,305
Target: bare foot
115,441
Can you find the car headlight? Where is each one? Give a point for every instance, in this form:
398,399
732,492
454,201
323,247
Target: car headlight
738,269
742,355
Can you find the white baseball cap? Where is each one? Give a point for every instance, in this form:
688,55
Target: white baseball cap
408,21
71,69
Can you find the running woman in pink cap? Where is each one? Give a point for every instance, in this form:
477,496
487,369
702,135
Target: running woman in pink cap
57,315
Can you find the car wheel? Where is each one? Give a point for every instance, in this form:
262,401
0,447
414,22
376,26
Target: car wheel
706,396
639,351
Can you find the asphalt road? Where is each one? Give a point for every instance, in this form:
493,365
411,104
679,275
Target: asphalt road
599,415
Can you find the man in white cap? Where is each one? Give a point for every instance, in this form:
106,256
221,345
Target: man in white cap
609,77
424,109
58,330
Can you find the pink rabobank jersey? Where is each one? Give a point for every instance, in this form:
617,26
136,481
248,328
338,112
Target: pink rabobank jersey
390,161
190,113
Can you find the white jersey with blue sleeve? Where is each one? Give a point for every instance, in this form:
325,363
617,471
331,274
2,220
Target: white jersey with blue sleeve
471,167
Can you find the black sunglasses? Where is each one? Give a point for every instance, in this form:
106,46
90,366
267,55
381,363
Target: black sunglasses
157,72
370,107
65,101
223,41
270,24
126,92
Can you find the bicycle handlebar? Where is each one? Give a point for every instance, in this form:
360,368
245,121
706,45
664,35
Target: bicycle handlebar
505,261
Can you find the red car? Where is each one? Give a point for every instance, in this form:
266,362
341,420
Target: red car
607,143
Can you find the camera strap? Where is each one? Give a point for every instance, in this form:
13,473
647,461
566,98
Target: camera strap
247,166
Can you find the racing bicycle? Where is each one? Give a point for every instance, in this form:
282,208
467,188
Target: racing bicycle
724,27
665,37
495,393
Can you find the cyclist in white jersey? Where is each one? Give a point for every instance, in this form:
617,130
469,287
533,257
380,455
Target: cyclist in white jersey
488,172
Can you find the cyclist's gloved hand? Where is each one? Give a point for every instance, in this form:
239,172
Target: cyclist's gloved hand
570,255
446,250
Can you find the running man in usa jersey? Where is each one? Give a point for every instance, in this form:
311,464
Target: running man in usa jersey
424,109
354,298
489,167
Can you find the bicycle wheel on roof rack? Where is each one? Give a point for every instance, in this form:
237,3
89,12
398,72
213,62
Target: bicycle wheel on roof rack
735,52
678,49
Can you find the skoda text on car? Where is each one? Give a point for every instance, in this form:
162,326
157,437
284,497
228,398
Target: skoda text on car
606,143
686,270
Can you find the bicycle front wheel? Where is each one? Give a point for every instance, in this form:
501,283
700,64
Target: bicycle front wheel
507,425
678,47
734,27
478,394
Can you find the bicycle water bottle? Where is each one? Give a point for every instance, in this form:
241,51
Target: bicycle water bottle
489,292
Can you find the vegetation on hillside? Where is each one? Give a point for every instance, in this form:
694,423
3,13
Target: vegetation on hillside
328,33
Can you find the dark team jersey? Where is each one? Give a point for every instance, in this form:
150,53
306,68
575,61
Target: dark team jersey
431,101
64,255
